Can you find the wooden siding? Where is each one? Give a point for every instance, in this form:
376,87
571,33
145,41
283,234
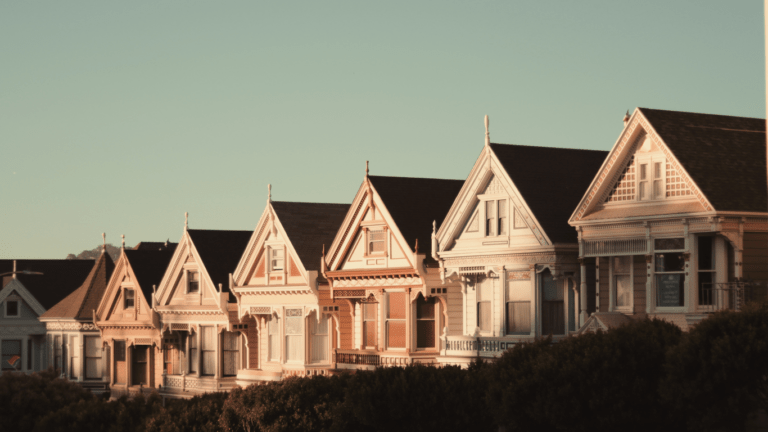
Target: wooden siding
755,259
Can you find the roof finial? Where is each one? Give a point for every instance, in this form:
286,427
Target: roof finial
417,246
122,237
103,242
366,169
487,134
323,249
14,269
186,221
434,227
269,192
626,118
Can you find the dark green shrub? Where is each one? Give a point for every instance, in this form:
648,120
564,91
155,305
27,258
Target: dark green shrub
199,414
600,381
719,373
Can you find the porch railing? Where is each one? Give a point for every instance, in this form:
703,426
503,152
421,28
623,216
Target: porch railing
714,297
356,358
477,346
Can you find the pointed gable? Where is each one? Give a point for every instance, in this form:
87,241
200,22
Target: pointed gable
220,252
59,278
551,181
308,227
148,267
724,155
84,300
414,203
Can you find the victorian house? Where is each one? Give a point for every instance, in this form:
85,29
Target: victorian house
380,268
289,323
197,311
29,289
72,334
506,241
132,360
675,222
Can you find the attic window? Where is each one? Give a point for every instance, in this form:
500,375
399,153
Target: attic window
12,308
193,282
377,241
128,298
276,259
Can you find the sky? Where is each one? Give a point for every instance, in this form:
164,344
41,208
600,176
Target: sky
118,117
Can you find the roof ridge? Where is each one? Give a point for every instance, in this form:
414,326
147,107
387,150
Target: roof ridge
307,202
217,230
414,178
700,113
548,148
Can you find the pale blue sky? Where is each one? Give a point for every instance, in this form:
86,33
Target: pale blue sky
121,116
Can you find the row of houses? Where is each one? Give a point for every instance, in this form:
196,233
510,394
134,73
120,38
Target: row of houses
672,223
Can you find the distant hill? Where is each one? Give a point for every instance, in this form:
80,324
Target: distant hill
112,250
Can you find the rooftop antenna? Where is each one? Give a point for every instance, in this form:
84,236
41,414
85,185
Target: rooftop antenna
487,134
15,272
186,221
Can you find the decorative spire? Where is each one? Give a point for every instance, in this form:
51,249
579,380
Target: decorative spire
103,242
122,238
434,227
417,246
14,269
269,193
487,134
366,169
186,221
626,118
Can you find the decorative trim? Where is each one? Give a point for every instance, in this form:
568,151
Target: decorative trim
261,310
70,326
349,227
349,293
522,275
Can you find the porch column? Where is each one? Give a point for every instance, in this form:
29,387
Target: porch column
583,293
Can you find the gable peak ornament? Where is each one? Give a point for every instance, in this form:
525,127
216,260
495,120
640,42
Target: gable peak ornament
626,118
122,239
103,242
487,134
269,192
186,221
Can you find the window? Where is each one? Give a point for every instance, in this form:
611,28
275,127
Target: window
194,358
484,297
193,282
670,272
74,360
552,306
128,298
208,348
496,217
11,355
276,259
120,366
93,351
57,349
658,178
395,326
425,322
642,184
319,340
377,241
139,365
12,308
502,220
490,218
294,339
370,310
229,353
519,317
706,269
171,355
274,339
622,281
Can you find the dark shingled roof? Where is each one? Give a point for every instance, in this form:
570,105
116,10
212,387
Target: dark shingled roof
59,279
220,252
552,182
84,300
414,203
724,155
149,266
309,226
155,246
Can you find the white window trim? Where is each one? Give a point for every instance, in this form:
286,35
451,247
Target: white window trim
482,212
613,293
653,273
436,319
124,288
187,271
18,307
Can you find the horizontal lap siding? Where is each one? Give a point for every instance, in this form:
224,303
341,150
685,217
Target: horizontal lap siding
755,258
455,310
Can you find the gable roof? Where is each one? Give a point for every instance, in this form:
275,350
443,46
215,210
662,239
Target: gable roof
551,181
220,252
309,226
59,279
149,266
724,155
414,203
84,300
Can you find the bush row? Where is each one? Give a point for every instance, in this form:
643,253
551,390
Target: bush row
635,377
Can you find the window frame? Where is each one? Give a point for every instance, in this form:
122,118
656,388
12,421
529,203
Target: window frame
651,161
712,270
127,290
369,232
188,277
435,319
225,350
490,302
656,273
86,357
388,320
18,307
273,339
297,314
494,224
614,287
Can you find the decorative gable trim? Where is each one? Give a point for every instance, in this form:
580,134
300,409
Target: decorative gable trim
348,226
21,290
603,184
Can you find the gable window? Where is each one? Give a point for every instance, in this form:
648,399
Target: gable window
276,259
193,282
622,281
496,217
669,272
377,241
12,309
650,179
128,298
